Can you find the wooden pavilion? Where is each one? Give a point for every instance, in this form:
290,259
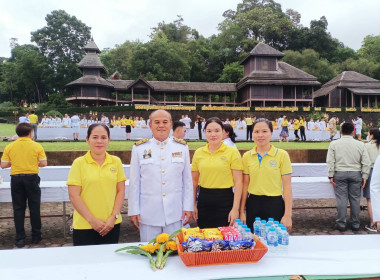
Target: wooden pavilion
349,89
266,82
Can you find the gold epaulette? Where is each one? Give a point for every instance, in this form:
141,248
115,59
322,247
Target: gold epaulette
181,141
142,141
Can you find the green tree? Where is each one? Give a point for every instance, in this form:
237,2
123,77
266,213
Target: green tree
62,41
370,48
232,73
160,60
311,62
118,59
175,31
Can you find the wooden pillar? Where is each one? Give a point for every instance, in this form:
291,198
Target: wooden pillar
361,101
148,96
132,95
369,105
340,97
352,100
195,99
225,99
180,98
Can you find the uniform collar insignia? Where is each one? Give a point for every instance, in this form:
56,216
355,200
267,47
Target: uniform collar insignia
181,141
177,154
147,154
142,141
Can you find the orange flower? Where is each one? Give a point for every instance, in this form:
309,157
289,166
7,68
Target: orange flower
162,238
148,248
171,245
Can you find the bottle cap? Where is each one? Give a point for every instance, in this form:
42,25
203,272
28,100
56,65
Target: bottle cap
268,224
271,219
257,219
272,229
276,222
244,226
263,221
247,230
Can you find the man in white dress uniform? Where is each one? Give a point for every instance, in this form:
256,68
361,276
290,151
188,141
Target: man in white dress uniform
160,196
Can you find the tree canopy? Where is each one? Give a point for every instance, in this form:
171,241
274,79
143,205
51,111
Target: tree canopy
177,52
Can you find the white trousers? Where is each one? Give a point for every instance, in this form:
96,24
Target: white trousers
147,233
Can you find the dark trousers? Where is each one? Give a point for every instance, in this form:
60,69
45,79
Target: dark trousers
35,126
26,188
214,206
249,132
303,135
348,188
82,237
296,134
200,133
264,207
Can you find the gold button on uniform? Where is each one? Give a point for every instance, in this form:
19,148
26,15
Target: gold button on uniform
162,158
163,170
161,147
163,183
164,194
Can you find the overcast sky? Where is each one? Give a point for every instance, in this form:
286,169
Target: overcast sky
115,21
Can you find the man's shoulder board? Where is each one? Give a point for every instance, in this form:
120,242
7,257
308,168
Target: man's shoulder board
142,141
183,142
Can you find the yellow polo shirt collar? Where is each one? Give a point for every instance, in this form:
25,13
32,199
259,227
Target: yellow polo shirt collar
221,149
89,158
272,151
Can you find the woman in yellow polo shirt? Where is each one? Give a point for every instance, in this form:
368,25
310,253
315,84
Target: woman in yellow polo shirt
128,127
96,189
216,169
267,190
302,128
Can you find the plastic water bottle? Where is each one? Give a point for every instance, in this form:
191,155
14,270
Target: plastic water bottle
284,241
267,227
276,224
271,221
236,223
256,226
262,230
248,235
272,241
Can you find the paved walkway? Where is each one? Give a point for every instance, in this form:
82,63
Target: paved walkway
305,222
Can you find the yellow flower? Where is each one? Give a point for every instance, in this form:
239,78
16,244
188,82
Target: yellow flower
171,245
162,238
157,246
148,248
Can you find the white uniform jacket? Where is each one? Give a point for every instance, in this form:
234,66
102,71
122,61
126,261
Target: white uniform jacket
160,183
375,190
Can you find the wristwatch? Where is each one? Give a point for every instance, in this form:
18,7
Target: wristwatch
117,216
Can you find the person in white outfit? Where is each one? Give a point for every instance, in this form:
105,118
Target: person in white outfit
375,193
160,197
358,126
229,135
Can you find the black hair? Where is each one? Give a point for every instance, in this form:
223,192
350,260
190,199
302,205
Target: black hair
23,129
178,124
215,120
259,120
32,112
230,130
91,128
376,136
347,128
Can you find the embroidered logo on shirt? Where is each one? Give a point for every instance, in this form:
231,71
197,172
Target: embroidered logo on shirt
177,154
147,154
113,170
223,158
273,163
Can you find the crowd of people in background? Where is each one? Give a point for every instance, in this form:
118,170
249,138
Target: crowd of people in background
219,186
298,126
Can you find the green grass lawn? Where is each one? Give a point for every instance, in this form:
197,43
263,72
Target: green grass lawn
9,130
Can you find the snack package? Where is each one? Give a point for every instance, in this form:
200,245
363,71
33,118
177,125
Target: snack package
211,234
219,245
241,245
194,232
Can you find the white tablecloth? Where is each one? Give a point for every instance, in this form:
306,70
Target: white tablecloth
307,255
139,133
303,188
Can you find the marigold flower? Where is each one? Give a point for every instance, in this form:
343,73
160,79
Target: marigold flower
162,238
171,245
148,248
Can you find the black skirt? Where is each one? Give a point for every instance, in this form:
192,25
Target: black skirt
128,129
214,205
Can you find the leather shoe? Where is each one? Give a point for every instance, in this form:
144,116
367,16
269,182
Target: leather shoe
355,229
36,240
341,229
20,243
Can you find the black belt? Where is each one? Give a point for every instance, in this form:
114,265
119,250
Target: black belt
22,175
